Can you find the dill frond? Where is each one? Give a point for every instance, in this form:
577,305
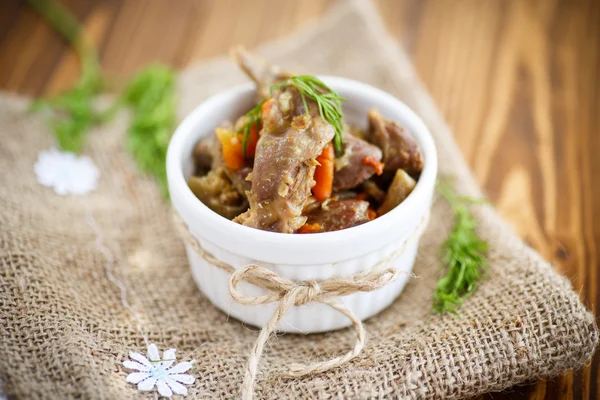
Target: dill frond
464,255
150,95
328,101
253,117
151,98
72,113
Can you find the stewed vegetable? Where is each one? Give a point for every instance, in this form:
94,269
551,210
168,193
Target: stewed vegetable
291,164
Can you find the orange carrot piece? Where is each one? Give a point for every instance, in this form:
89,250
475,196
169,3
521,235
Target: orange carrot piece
266,107
311,228
324,174
231,143
252,141
374,163
372,213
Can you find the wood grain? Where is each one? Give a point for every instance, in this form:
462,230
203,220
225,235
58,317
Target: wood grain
518,82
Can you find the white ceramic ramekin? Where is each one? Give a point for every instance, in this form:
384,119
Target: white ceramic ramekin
299,257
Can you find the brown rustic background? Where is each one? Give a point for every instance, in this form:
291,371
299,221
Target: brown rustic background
518,82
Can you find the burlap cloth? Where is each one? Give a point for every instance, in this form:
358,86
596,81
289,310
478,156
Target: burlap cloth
65,331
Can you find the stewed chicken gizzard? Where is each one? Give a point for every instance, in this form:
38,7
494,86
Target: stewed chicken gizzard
292,165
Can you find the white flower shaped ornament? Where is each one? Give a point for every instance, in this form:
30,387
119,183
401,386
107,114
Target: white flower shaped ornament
154,371
66,173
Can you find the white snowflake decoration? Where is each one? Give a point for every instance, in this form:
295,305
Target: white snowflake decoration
156,371
66,173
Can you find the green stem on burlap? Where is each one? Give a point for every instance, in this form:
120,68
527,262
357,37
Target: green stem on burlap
464,255
150,96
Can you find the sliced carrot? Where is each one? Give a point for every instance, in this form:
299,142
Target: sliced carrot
372,213
231,143
374,163
252,141
324,174
311,228
266,107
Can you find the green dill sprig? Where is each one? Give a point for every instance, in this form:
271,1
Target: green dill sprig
150,95
328,101
72,113
464,255
253,117
151,98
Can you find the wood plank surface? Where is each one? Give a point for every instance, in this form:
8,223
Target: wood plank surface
517,80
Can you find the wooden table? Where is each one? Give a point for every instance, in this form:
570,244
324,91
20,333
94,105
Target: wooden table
518,81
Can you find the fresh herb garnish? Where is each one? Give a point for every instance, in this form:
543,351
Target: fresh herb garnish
253,118
151,98
150,95
464,255
72,113
328,101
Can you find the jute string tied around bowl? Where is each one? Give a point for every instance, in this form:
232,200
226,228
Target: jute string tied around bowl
288,293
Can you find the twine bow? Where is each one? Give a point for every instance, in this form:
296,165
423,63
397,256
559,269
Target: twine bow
287,293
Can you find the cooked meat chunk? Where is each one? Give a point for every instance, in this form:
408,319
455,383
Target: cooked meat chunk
217,192
239,179
205,151
400,149
356,165
259,70
401,187
284,164
339,214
